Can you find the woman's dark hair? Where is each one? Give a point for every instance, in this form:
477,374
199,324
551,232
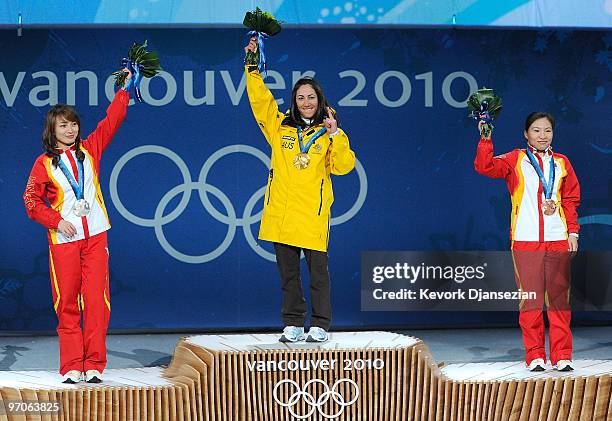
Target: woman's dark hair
295,118
48,137
536,116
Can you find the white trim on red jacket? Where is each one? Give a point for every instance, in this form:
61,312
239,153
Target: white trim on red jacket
48,196
528,221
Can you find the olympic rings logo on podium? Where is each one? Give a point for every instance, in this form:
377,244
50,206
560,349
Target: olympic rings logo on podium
315,404
230,218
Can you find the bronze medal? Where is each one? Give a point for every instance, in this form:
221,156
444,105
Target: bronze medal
549,207
301,161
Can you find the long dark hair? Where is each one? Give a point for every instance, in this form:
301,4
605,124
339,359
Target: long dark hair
48,137
294,118
536,116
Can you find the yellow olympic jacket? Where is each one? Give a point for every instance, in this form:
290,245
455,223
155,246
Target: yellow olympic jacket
297,203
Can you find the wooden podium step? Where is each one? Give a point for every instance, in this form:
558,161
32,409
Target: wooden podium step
354,376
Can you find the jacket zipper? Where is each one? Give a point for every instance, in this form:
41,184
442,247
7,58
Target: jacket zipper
270,185
321,197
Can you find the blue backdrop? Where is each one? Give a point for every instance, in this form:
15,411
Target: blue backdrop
181,259
532,13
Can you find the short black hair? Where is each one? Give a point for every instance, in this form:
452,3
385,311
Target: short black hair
536,116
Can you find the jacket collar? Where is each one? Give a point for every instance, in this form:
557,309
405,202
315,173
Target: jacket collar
548,151
61,151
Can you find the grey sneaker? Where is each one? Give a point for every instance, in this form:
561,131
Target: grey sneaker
316,334
292,334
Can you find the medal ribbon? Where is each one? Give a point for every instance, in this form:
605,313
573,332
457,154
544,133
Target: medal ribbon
305,148
136,77
77,188
485,117
483,114
261,36
547,187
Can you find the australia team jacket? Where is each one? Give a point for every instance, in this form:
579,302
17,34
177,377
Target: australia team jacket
528,222
48,196
297,202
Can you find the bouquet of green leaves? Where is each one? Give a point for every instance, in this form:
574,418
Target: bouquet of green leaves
141,63
484,105
263,25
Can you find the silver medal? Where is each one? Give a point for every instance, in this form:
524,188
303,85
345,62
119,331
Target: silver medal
81,208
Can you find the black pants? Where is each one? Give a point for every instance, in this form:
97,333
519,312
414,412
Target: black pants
294,304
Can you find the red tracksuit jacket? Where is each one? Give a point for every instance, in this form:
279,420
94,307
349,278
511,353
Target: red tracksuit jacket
528,222
48,183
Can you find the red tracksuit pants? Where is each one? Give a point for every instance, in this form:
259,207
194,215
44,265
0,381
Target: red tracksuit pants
79,282
544,268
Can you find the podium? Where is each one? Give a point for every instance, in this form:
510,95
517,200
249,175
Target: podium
369,376
353,376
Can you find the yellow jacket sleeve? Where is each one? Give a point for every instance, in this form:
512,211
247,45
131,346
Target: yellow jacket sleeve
342,158
263,104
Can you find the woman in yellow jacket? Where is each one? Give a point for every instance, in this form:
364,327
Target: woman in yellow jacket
307,147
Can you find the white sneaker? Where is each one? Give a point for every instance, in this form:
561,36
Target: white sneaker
564,365
72,377
292,334
536,365
316,334
93,376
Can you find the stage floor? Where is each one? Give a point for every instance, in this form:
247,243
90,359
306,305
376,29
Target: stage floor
450,346
138,377
516,371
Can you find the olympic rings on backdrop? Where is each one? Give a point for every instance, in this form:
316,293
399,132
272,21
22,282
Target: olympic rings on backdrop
230,218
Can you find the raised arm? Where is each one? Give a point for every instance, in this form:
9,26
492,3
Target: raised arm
97,141
101,137
263,104
487,164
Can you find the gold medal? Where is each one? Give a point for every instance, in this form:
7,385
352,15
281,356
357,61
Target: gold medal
301,161
549,207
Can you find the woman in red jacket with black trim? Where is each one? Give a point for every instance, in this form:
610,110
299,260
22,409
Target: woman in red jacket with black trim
63,194
545,194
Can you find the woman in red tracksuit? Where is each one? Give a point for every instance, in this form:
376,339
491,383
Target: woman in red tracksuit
544,230
66,177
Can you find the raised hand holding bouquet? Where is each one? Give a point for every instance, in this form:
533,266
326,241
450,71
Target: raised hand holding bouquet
141,63
484,105
262,25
